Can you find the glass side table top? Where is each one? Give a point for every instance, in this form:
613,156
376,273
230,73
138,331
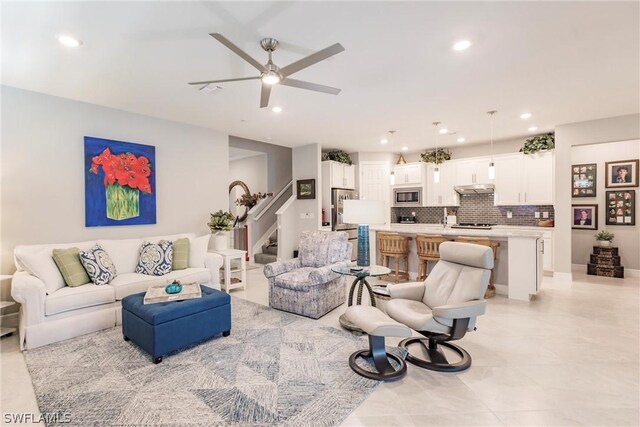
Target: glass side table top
372,270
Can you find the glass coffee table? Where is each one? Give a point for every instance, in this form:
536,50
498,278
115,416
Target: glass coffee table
361,274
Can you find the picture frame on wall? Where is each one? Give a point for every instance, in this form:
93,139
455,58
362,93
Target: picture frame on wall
621,173
584,180
306,189
621,207
585,217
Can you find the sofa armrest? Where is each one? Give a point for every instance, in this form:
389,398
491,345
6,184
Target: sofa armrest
214,262
29,291
280,267
413,291
325,274
464,310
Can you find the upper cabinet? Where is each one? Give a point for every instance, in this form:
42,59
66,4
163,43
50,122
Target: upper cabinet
523,179
442,193
472,171
409,174
340,175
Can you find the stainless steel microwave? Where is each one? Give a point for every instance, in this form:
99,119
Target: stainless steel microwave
407,196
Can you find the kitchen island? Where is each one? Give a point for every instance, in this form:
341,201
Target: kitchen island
518,268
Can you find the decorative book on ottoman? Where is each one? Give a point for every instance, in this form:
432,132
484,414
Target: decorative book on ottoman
157,293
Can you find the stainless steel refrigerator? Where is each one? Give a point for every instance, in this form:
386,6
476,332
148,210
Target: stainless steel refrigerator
338,196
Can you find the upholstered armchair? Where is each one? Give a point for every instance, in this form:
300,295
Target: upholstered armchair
306,285
445,306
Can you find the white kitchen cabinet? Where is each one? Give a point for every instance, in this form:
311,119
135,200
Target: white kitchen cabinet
441,193
408,174
508,180
341,175
524,179
472,171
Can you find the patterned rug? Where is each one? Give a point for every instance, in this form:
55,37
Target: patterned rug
274,369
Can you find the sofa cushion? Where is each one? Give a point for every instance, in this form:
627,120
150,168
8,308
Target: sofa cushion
75,298
99,265
123,252
198,248
180,259
171,237
155,258
132,283
37,260
68,262
297,280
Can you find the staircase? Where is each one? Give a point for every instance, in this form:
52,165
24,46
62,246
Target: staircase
269,251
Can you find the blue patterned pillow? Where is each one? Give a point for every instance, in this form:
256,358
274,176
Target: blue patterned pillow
155,258
98,264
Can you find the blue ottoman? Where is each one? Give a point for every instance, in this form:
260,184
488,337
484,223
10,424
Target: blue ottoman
162,328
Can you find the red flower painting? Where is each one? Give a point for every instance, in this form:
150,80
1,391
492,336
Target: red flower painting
124,169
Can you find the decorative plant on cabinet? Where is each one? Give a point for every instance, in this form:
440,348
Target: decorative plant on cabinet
220,224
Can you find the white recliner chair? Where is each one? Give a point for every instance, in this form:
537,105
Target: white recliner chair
445,306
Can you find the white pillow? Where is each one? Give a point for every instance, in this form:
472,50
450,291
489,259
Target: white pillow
123,252
198,248
170,237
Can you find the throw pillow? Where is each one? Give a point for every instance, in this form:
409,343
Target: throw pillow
99,265
155,258
198,248
68,262
180,254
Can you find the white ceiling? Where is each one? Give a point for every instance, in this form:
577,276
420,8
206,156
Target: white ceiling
562,61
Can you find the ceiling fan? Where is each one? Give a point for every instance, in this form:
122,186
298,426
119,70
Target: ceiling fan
271,74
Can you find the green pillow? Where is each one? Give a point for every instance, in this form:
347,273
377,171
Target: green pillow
180,259
72,270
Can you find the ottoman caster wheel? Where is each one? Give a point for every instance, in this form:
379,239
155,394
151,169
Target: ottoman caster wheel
226,333
125,338
157,360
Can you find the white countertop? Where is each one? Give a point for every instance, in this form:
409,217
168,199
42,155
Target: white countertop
496,231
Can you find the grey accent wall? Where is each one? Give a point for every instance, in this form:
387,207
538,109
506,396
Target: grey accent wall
279,161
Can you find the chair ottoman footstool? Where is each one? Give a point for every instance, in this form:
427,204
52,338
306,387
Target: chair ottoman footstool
163,328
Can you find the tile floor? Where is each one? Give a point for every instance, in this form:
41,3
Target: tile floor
568,358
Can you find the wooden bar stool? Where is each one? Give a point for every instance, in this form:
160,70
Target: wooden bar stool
396,246
428,247
484,241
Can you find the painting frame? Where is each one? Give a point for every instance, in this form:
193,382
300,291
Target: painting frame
120,183
306,189
587,213
621,207
614,176
584,180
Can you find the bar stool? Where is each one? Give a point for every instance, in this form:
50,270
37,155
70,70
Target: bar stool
484,241
428,247
396,246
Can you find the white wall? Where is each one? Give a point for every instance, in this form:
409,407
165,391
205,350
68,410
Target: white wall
253,172
42,176
627,237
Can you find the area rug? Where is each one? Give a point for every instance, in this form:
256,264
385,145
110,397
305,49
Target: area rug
275,369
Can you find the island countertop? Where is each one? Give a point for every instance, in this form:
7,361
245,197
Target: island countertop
496,231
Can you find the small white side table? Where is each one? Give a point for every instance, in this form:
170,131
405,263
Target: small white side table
3,304
228,255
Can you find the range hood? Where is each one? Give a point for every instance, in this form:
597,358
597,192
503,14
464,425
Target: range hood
475,189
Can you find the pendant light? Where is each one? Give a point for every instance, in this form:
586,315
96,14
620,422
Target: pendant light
392,176
492,167
436,171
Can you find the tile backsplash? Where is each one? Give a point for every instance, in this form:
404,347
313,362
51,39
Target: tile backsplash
478,208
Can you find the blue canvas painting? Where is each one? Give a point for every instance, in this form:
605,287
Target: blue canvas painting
120,183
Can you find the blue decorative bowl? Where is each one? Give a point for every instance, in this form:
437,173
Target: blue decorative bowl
173,288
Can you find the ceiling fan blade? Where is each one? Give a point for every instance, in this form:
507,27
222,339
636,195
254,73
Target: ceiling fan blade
310,86
224,80
314,58
241,53
264,95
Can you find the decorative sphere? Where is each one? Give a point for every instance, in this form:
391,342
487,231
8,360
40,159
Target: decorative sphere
173,288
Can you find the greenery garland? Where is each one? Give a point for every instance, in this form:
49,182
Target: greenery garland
538,143
430,156
338,156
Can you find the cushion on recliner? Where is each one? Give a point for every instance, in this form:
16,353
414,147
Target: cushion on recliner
468,254
297,280
74,298
321,248
416,315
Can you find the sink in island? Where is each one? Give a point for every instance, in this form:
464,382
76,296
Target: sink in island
518,268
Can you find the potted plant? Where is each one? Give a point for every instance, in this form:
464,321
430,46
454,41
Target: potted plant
338,156
438,157
539,143
604,238
250,200
220,224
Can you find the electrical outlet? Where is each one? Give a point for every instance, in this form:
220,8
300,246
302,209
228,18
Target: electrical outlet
307,215
509,214
545,214
413,214
537,214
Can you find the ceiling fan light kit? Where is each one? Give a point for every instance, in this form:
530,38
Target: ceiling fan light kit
271,74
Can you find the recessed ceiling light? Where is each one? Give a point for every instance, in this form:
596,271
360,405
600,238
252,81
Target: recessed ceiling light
277,109
462,45
525,115
460,139
533,129
384,141
69,41
405,148
443,131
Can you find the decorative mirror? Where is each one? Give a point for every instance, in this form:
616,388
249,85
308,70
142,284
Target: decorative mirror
236,190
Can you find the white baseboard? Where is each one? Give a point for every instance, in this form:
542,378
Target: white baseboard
563,276
501,289
9,320
628,272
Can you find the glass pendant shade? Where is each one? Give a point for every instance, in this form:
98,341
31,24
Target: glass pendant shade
393,178
436,175
492,171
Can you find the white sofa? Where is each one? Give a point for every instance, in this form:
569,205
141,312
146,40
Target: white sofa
52,311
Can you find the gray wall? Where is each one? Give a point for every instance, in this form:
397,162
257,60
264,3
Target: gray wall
42,171
279,170
621,128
